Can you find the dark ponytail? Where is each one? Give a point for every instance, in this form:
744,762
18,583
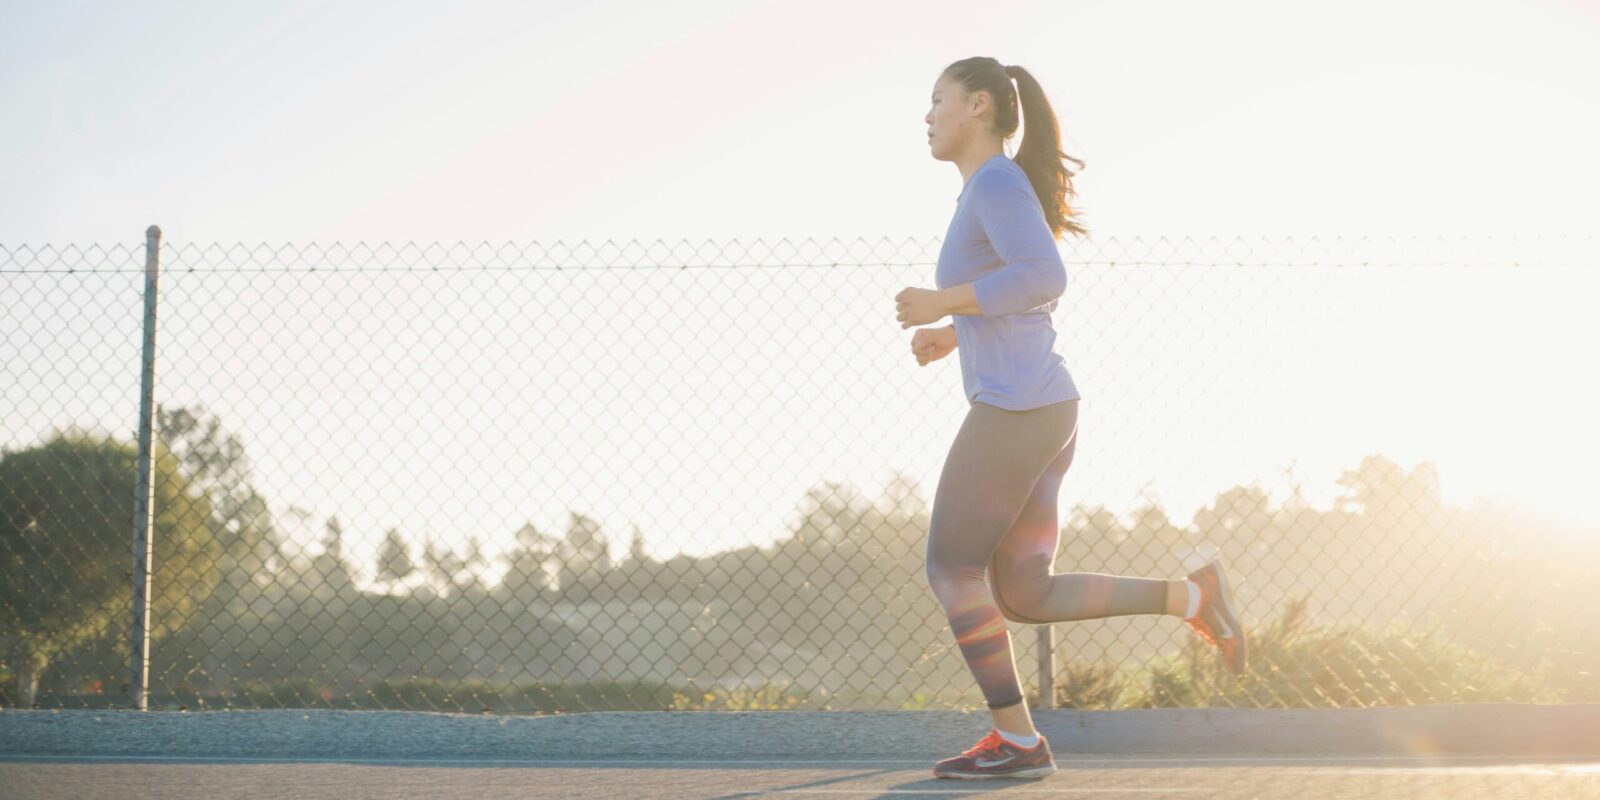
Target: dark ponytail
1040,154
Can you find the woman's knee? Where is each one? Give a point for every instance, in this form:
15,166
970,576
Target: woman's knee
1019,589
1018,604
1013,614
952,582
943,573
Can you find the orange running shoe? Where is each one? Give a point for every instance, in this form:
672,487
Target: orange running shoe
994,757
1215,620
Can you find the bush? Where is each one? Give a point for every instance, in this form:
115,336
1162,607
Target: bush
1296,665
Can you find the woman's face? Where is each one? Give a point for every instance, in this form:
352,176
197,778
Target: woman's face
950,120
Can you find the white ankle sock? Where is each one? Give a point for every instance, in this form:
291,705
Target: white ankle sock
1194,598
1021,741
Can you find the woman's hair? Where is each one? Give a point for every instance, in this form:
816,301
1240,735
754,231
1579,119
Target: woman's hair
1040,154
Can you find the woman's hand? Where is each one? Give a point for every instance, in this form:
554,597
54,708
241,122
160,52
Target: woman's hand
919,306
932,344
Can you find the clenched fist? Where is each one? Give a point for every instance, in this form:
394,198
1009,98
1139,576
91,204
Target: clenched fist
914,306
932,344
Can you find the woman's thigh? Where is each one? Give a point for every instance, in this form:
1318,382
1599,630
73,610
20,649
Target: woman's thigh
1036,532
993,468
1020,567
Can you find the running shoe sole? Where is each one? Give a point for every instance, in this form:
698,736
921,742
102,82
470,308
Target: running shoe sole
1216,615
999,759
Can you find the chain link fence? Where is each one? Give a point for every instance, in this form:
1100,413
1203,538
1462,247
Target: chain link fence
533,478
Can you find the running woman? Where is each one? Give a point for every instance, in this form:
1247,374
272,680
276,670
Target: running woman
999,276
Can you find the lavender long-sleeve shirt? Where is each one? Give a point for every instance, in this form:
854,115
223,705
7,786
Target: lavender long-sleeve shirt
1000,243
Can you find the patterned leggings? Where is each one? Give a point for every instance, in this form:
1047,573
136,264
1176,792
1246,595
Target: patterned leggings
995,512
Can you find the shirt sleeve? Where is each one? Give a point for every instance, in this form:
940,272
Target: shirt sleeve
1031,272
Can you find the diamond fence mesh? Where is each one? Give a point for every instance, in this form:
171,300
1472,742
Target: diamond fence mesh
535,478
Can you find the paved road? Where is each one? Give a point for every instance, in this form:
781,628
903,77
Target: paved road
1182,776
1487,750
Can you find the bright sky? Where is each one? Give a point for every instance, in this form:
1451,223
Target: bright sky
468,122
635,120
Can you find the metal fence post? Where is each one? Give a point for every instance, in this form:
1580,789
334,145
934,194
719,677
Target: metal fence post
143,496
1047,666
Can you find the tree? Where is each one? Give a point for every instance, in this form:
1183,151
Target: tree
66,564
216,465
446,569
530,566
584,552
329,569
1382,489
636,552
829,513
474,564
1151,524
253,546
1095,523
1239,508
394,559
902,496
333,539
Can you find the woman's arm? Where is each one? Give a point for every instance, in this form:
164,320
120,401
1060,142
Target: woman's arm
1032,272
959,300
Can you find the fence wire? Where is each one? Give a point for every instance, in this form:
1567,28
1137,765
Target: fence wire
545,478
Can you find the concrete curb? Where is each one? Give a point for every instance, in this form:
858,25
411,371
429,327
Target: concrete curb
1477,729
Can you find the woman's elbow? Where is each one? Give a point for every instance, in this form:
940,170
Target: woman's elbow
1056,283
